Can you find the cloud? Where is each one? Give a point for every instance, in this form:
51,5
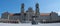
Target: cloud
58,13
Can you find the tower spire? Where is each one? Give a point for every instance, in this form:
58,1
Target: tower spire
37,9
22,8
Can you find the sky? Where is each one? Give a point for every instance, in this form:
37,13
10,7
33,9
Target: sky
14,6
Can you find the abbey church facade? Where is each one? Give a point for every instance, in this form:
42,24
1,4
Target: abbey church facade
27,16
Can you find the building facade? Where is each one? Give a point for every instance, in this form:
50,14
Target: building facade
27,16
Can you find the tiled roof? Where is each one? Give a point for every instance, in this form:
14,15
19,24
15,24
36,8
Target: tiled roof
44,14
17,14
11,14
41,14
